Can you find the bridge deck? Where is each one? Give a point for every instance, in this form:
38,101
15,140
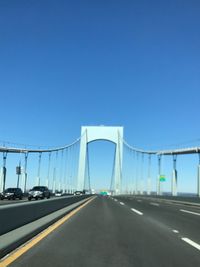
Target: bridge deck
107,232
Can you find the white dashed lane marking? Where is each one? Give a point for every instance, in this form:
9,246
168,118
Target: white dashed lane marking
190,242
154,204
137,211
175,231
191,212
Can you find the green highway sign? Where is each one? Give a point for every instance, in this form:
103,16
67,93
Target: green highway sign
103,193
162,178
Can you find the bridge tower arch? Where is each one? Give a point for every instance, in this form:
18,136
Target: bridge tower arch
94,133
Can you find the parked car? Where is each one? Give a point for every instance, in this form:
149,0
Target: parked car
12,193
39,192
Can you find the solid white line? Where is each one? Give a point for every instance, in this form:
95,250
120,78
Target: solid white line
187,211
121,203
190,242
139,200
175,231
137,211
154,204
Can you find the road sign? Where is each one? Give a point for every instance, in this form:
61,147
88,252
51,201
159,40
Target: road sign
162,178
18,170
103,193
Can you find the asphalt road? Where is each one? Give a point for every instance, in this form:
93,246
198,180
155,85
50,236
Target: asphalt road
121,232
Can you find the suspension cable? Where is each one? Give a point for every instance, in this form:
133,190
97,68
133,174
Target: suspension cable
25,170
4,169
88,170
49,167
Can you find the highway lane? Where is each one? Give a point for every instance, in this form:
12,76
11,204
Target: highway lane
8,202
183,218
18,214
110,232
16,201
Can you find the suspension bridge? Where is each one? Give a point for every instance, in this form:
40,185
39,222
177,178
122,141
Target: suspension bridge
66,168
138,224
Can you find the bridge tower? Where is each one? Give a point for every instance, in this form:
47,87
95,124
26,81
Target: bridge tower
108,133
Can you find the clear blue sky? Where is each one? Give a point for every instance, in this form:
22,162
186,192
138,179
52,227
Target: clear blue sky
64,64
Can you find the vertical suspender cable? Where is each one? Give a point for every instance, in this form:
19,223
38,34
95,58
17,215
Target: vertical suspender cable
198,176
134,176
174,176
159,173
54,172
48,172
137,172
65,172
142,174
74,167
120,164
112,186
70,170
61,172
25,170
4,169
89,185
19,172
39,168
149,175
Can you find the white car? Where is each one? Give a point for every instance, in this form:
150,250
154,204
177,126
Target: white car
78,193
58,194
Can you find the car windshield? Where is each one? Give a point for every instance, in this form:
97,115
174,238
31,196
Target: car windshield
37,188
10,190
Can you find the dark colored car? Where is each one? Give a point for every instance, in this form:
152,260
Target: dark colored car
12,193
39,192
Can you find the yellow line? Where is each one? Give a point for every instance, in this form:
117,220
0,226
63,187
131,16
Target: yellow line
12,257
